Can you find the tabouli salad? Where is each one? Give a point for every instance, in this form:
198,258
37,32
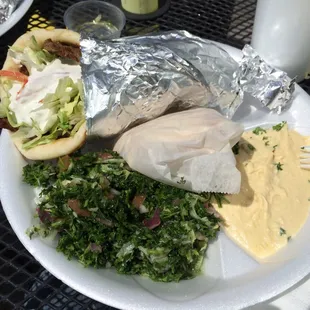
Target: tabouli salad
129,221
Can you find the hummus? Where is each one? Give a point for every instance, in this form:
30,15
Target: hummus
273,203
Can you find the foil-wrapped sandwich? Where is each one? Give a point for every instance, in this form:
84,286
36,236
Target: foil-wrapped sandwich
132,80
159,95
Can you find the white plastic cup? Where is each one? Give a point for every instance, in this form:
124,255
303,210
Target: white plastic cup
281,35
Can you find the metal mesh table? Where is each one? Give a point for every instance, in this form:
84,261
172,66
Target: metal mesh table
24,283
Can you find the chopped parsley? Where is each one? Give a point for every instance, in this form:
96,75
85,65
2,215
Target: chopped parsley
279,166
259,130
39,174
220,198
279,126
282,231
274,147
265,138
289,238
251,147
105,214
267,143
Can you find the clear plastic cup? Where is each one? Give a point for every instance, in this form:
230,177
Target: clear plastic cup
97,19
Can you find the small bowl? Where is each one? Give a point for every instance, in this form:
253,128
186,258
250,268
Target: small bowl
97,19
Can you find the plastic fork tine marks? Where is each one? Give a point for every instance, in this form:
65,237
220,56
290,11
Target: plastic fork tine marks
305,157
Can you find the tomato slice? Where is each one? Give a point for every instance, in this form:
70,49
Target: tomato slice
15,75
23,86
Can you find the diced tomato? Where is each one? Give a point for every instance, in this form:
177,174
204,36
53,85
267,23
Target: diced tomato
208,205
64,163
110,196
74,204
15,75
105,156
138,201
95,248
176,202
210,209
200,236
23,86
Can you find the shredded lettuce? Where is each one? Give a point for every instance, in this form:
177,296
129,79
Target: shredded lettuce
34,44
66,104
32,56
12,119
5,86
5,112
68,114
2,111
4,107
77,127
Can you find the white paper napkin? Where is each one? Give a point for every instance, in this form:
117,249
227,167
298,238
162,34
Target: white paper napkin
189,149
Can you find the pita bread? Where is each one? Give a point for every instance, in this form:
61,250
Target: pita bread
62,146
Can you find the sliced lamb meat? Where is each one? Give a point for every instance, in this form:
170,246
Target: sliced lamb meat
63,50
4,124
24,70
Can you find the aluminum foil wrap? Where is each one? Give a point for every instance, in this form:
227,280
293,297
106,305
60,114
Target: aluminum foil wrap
271,86
7,7
131,80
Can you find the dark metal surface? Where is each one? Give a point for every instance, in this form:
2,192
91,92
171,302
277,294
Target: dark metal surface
24,283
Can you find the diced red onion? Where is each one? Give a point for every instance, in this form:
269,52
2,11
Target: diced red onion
105,222
95,248
44,216
154,221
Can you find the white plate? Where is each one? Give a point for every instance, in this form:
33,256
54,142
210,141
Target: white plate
232,280
15,17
